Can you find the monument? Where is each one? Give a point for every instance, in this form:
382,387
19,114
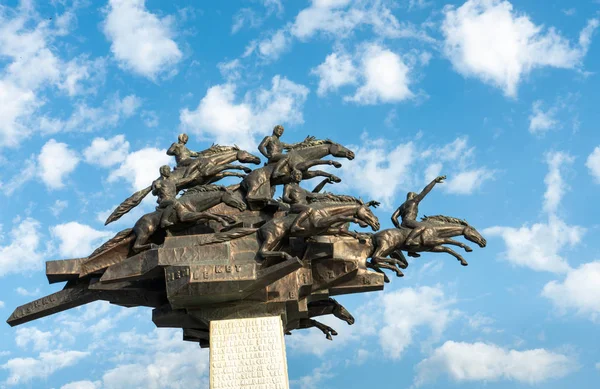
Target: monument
236,269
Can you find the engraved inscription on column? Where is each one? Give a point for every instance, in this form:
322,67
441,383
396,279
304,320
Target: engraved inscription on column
248,353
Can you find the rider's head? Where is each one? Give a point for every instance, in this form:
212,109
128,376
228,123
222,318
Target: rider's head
165,170
278,130
411,195
296,175
183,138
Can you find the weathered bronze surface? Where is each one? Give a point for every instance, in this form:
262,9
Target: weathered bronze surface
222,253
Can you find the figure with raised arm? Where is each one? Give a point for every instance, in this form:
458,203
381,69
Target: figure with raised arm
409,210
294,194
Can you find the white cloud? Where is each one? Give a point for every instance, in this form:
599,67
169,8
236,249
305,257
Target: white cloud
219,118
26,43
24,370
407,310
55,162
78,240
22,255
1,304
487,39
382,172
386,171
385,77
466,182
140,167
150,118
314,380
470,362
31,336
593,164
272,47
140,41
538,247
161,360
24,292
579,290
107,152
58,207
555,185
16,105
82,385
541,121
337,70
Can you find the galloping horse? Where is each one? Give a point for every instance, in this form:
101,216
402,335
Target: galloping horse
438,232
316,219
319,308
209,168
259,184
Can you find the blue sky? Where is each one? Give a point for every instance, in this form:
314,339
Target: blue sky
499,96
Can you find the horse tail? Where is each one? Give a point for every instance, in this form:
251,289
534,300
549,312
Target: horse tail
128,204
124,236
228,235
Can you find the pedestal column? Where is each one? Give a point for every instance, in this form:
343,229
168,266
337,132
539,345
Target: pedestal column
248,353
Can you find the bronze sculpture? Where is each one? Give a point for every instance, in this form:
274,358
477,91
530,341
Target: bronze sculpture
217,252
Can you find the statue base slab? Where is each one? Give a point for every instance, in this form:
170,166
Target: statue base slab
248,353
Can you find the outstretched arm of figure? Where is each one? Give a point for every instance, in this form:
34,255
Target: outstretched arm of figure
321,185
262,147
395,217
429,187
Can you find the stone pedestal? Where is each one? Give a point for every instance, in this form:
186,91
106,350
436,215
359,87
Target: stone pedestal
248,353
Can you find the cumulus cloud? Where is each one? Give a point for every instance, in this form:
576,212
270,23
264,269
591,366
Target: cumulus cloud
55,162
488,40
25,370
578,291
219,117
140,41
78,240
22,254
385,77
140,168
32,66
538,246
337,70
593,164
107,152
472,362
386,170
541,121
31,336
82,385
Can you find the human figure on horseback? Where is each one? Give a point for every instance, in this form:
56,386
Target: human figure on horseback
272,148
409,211
186,159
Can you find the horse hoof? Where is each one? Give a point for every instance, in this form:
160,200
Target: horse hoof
468,249
386,279
334,333
328,336
399,274
464,263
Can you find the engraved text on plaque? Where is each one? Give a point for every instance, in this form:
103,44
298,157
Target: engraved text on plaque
248,353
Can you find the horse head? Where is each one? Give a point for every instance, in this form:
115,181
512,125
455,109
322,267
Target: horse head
245,157
337,150
365,214
342,313
472,235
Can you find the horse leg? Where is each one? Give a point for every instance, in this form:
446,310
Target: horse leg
378,270
308,164
443,249
307,175
308,323
399,255
383,262
220,168
457,243
267,248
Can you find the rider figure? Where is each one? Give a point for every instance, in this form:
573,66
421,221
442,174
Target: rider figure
409,210
185,158
272,148
165,188
294,194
